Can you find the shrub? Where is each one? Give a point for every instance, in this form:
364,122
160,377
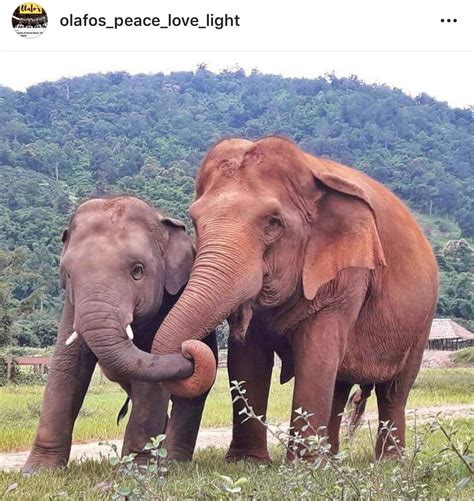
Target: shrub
464,357
27,377
222,334
3,370
24,336
22,375
45,330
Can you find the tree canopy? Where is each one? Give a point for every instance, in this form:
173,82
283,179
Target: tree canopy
61,142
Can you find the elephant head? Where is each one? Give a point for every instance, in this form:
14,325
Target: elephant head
120,258
273,224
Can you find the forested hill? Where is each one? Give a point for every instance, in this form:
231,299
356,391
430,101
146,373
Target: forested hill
63,141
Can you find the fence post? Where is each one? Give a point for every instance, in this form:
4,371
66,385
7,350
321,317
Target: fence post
9,367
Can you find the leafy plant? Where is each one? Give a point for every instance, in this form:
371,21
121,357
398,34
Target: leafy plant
139,481
228,486
330,476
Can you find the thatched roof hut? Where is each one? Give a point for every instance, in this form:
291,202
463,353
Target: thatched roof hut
445,328
446,334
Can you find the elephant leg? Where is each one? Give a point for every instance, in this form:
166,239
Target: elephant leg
317,352
186,413
392,397
250,361
68,379
339,401
147,419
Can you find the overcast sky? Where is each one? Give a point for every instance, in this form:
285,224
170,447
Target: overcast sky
443,75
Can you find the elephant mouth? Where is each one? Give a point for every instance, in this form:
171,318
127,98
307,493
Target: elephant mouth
240,319
270,294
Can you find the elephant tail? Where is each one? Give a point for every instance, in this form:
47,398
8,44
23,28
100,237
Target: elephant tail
358,402
123,411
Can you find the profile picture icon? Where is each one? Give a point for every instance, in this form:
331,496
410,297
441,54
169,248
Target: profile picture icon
29,20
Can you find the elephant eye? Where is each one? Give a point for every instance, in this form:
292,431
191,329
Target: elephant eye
275,222
137,271
274,227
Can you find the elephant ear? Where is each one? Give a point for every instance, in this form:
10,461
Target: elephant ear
179,255
344,233
62,274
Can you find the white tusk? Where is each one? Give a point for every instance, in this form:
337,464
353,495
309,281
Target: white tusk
129,331
72,338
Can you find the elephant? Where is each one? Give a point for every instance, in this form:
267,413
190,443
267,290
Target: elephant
123,266
317,262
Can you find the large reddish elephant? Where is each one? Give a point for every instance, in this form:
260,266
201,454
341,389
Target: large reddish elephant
313,260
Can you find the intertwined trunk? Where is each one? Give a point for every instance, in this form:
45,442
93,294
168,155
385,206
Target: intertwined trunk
100,323
225,274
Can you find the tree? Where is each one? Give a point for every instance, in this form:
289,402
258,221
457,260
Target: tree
18,294
460,254
146,135
45,329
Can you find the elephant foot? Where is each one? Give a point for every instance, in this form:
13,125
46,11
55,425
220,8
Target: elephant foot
180,456
258,456
309,458
36,462
392,454
141,458
179,451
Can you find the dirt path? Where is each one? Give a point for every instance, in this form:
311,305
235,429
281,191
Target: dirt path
434,359
220,437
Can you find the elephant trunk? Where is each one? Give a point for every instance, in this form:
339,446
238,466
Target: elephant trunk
226,273
102,327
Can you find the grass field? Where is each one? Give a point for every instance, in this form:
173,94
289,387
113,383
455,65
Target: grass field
20,405
464,357
429,474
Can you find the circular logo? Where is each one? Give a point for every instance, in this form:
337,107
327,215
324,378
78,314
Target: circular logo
29,20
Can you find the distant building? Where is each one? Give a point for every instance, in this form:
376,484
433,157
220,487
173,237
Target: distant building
446,334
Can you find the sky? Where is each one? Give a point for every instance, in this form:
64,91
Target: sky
446,76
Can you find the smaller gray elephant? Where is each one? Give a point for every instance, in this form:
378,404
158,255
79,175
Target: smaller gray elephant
123,266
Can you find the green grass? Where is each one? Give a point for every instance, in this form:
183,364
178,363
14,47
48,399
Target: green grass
20,409
434,471
20,405
464,357
438,387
